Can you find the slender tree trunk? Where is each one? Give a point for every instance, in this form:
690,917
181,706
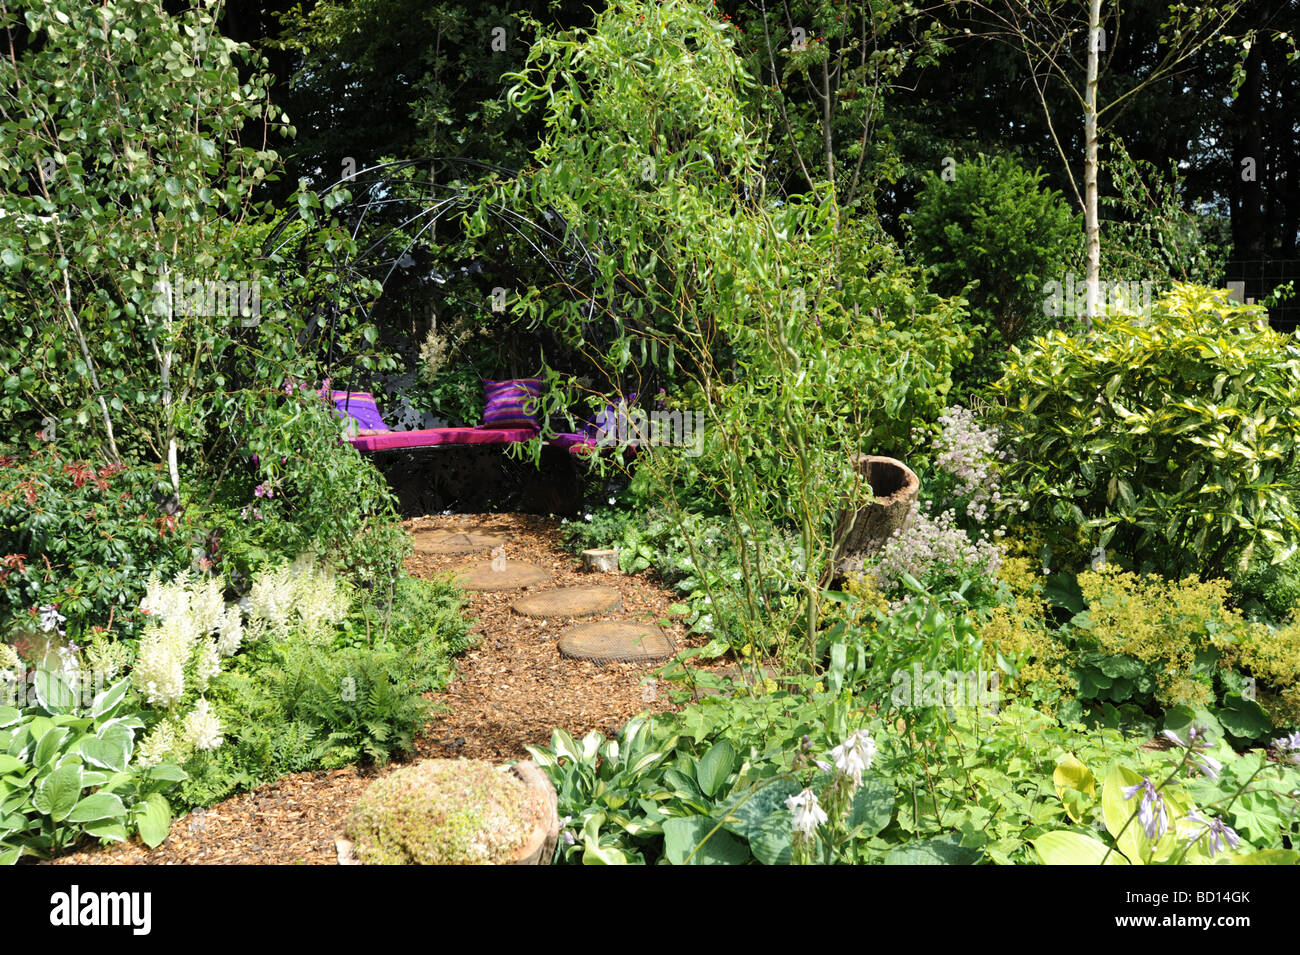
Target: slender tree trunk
1091,220
165,379
90,365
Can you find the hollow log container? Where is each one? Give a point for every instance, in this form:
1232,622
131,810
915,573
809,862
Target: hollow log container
864,532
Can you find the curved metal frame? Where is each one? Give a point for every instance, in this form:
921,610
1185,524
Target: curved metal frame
375,187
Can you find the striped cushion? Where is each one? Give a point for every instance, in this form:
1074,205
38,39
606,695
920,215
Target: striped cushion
361,406
512,404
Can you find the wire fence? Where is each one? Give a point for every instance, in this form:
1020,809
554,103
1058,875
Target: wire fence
1251,280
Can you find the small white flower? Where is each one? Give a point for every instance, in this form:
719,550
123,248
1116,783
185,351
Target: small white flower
854,755
611,500
51,619
807,814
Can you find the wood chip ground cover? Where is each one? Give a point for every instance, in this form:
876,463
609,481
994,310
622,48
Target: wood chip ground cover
509,692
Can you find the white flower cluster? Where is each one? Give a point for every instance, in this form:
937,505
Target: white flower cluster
189,623
202,728
176,738
969,453
298,598
933,544
10,663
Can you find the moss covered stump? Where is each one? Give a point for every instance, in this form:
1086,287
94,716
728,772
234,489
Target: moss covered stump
454,812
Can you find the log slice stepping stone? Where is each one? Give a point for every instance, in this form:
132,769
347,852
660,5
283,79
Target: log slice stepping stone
569,602
616,641
502,575
468,540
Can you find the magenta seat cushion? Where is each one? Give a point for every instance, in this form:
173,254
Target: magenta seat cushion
511,404
570,441
428,437
361,406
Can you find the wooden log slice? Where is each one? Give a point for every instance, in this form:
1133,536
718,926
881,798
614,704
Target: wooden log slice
454,541
569,602
615,641
501,575
600,561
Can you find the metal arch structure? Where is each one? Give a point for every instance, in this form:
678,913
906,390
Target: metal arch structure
405,200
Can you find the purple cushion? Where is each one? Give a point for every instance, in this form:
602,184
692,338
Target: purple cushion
361,406
429,437
511,404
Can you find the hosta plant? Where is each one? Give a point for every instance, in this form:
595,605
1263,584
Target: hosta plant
66,770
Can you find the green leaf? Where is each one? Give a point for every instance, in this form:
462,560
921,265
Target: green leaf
1062,847
1244,719
154,820
54,691
715,767
98,806
1117,811
107,754
772,841
937,850
106,702
752,809
10,763
58,792
873,806
684,838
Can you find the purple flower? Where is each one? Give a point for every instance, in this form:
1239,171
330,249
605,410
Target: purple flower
1288,747
1218,830
259,491
1197,739
1151,812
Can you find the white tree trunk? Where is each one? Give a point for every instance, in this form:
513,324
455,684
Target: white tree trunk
1092,223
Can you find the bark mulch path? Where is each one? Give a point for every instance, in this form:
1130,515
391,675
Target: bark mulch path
509,691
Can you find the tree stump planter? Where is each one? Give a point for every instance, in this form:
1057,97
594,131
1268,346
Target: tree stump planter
865,532
444,811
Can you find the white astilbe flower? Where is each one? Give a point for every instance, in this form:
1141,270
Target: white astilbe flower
270,601
202,728
230,632
808,816
10,663
160,662
207,663
298,598
854,755
208,605
158,747
167,601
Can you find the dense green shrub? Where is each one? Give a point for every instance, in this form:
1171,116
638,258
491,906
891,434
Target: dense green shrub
1168,439
728,780
303,488
994,224
84,537
1142,648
